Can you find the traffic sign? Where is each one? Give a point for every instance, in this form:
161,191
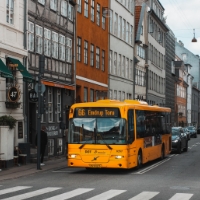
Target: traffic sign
43,88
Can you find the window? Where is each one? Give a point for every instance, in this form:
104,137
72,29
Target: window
119,65
70,12
58,104
85,94
110,94
116,24
97,97
50,147
103,60
140,52
41,1
10,11
92,10
50,104
115,95
103,22
120,27
98,14
127,32
61,47
47,42
130,69
172,67
131,125
79,6
124,30
123,65
115,63
53,5
39,42
97,57
30,36
91,95
54,45
119,95
111,21
79,49
86,8
59,146
123,96
110,60
85,52
91,55
131,35
64,8
127,67
69,50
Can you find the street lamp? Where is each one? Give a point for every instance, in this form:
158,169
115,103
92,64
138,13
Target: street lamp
194,39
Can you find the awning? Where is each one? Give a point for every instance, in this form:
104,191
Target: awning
4,71
26,76
53,84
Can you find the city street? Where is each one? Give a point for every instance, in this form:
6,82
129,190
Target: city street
175,177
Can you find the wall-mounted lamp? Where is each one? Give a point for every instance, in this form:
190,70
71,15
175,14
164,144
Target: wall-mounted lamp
194,39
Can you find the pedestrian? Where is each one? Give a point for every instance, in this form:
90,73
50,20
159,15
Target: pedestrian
43,143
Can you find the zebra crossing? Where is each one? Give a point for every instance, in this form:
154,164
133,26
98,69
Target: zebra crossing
106,195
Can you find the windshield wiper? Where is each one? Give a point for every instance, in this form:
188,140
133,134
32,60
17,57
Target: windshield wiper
105,142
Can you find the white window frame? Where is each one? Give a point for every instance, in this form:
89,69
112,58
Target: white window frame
53,4
98,14
86,8
79,41
115,63
70,12
64,8
41,2
47,42
31,36
39,39
59,103
50,104
54,44
61,47
111,60
92,55
50,147
69,50
92,11
79,5
116,24
10,11
97,57
85,52
103,60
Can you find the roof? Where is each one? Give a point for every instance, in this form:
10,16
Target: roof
137,17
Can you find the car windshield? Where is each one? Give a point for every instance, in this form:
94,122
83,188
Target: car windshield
175,132
97,131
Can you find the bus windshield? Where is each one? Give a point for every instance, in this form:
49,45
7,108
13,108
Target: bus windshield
97,131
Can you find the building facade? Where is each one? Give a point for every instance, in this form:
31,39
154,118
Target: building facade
51,28
13,63
121,50
92,51
170,73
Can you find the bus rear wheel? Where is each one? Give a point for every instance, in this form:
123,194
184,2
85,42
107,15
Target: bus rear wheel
139,160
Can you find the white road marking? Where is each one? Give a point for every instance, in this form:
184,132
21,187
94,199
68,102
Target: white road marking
68,195
107,195
13,189
145,196
181,196
32,194
62,171
152,167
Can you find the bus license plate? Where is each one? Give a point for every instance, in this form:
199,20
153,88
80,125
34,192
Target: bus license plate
95,165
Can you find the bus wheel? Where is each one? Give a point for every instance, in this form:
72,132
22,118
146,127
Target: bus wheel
139,160
162,152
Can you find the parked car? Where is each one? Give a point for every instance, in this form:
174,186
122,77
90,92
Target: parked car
185,130
198,130
193,131
179,140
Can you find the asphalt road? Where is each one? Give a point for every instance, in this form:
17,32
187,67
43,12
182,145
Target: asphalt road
177,177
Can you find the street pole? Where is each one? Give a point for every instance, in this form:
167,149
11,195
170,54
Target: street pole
41,72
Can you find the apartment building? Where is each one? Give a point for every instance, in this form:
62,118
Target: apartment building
121,50
51,28
92,50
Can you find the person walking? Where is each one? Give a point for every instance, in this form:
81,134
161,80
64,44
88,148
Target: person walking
43,143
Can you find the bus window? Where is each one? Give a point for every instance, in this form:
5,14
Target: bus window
140,123
131,126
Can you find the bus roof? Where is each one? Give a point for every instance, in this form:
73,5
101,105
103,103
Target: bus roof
116,103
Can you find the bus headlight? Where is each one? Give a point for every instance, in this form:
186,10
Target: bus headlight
73,156
118,157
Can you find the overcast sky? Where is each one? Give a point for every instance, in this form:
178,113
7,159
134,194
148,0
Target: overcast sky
183,16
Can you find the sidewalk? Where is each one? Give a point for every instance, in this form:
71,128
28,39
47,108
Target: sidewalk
31,168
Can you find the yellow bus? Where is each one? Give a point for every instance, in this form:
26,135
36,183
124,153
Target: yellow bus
116,134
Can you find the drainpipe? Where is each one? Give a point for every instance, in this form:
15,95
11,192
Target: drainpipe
25,24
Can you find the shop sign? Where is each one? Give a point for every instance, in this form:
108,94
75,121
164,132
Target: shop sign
13,94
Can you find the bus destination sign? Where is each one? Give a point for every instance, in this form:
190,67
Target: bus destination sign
97,112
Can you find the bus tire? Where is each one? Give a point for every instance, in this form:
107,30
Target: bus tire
162,152
139,160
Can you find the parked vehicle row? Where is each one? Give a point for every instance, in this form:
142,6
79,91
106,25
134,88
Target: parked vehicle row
181,136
